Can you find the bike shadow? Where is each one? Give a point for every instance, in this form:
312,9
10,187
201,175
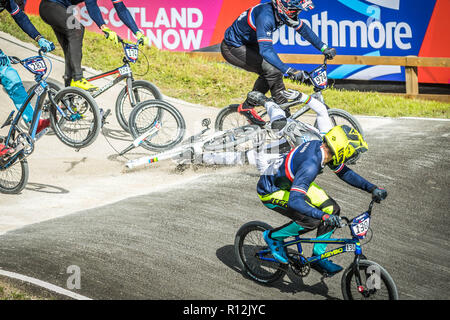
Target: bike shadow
116,134
45,188
295,284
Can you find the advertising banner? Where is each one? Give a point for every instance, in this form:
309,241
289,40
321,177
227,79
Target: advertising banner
353,27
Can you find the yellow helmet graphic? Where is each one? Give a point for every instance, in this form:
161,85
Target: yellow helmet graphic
345,143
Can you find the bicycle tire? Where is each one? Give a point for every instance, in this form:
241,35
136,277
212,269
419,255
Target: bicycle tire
261,271
22,181
348,283
162,108
122,112
89,106
232,138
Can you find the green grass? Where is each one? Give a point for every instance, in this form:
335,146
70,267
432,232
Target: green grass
200,81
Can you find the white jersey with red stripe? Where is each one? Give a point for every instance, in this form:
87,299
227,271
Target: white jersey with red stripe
299,169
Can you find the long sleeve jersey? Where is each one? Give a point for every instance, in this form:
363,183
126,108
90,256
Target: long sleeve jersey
256,26
19,17
96,14
299,169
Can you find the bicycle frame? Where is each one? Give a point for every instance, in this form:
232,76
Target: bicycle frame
124,73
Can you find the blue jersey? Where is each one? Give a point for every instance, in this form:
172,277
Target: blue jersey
256,26
299,169
19,17
96,15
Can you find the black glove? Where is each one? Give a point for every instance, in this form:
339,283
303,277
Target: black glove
331,220
379,194
329,53
296,75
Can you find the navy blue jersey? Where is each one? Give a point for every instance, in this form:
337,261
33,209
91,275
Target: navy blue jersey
256,26
20,17
299,169
96,15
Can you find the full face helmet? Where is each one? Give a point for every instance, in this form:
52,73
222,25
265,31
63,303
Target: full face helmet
345,143
288,10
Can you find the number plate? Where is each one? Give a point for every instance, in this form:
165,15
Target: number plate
36,65
131,52
124,70
360,225
321,79
39,90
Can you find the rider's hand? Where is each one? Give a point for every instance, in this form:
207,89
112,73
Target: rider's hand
110,35
296,75
142,39
329,53
4,60
46,45
331,220
379,194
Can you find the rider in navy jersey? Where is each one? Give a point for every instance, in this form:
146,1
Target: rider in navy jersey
70,35
9,77
248,44
288,187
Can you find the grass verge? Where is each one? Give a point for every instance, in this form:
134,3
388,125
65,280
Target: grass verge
216,84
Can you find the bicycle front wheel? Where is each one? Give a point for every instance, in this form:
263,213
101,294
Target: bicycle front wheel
375,280
144,116
80,123
250,249
14,178
142,90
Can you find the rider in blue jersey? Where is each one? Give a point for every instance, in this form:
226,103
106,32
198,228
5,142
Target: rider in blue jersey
9,77
288,187
248,44
70,33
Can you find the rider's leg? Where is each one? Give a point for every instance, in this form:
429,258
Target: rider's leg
323,119
13,85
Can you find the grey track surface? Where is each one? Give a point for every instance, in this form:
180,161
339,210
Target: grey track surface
177,243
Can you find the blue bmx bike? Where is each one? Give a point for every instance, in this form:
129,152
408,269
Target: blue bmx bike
363,279
74,117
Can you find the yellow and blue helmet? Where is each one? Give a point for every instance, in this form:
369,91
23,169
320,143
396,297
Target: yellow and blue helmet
345,143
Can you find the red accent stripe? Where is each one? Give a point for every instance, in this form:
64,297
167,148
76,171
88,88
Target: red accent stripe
301,24
15,12
339,169
102,75
248,19
265,40
286,166
298,190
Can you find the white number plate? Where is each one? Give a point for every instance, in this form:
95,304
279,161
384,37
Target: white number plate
37,65
124,71
132,53
39,90
321,78
361,228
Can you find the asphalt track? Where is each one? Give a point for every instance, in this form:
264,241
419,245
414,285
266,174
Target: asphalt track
161,234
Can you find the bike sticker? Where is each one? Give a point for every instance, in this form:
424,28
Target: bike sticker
350,247
124,70
39,90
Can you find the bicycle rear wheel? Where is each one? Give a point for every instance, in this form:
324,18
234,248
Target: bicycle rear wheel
143,118
231,139
377,282
142,90
82,121
248,245
14,177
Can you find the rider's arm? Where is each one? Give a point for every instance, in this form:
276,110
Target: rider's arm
22,20
297,197
309,35
264,37
352,178
125,15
